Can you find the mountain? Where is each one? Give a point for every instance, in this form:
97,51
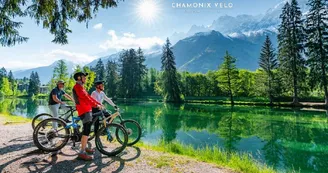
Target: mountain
45,73
113,57
205,50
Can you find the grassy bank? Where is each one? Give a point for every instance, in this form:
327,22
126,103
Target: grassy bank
12,119
237,162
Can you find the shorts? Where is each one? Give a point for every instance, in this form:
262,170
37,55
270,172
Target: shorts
86,117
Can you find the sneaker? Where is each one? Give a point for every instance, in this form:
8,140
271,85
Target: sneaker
89,150
84,156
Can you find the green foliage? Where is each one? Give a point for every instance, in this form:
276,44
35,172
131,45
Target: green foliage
112,78
5,87
52,14
268,62
99,70
132,72
60,72
290,38
228,76
317,44
168,84
34,84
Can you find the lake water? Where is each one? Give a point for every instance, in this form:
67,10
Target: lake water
286,139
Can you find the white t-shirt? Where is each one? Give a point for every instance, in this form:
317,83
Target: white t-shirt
101,96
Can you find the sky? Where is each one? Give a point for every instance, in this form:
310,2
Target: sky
134,23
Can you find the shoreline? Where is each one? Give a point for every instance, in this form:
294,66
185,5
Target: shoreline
157,158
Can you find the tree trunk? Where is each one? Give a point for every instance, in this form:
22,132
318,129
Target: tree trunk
231,98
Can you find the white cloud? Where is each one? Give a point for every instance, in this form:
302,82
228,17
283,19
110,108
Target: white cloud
70,56
97,26
129,40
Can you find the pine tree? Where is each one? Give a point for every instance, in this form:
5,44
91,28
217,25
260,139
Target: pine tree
100,70
317,44
112,79
169,79
268,63
140,71
228,76
12,81
34,84
290,40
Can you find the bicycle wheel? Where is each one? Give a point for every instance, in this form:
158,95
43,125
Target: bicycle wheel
38,118
106,139
51,135
134,131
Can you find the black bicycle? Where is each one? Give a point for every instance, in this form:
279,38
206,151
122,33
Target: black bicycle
53,134
64,116
132,127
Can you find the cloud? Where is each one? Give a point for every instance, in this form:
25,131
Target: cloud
97,26
129,40
70,56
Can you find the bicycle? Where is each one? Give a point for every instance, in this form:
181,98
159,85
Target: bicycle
45,139
38,118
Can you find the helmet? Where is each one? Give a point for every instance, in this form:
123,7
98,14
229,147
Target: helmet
99,82
77,76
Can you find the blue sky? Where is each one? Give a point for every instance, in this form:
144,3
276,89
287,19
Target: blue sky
118,28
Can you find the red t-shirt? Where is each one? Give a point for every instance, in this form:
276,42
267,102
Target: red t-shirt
84,102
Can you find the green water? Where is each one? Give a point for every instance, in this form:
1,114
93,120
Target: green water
285,139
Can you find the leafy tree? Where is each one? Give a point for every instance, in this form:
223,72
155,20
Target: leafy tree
5,87
317,44
34,84
52,14
100,70
153,76
290,40
112,79
245,84
140,71
268,62
90,78
228,76
60,72
168,82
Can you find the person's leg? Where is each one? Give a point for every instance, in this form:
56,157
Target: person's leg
96,125
54,111
87,122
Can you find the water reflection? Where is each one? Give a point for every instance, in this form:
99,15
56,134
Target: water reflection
286,139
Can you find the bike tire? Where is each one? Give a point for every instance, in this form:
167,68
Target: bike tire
138,127
44,122
34,120
100,146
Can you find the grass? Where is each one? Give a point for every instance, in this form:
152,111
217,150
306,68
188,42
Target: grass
12,119
235,161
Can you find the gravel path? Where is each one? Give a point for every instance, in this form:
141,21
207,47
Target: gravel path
18,155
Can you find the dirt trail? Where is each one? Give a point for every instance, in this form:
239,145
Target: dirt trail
19,155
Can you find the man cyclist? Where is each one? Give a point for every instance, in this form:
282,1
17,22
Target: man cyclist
100,96
84,103
55,99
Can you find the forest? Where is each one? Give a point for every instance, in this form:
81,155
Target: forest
294,71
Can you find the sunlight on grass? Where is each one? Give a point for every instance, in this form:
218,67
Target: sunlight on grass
12,119
237,162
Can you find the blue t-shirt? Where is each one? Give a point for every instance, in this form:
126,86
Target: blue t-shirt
58,92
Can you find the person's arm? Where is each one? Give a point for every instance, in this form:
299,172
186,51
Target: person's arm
55,98
109,101
82,94
69,97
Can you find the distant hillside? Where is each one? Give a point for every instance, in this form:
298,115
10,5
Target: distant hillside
45,73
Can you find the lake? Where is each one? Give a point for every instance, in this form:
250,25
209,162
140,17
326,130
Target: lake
286,139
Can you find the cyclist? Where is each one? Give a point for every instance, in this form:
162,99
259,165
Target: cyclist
55,99
100,96
84,103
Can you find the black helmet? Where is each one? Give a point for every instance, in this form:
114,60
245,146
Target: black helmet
79,74
99,82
